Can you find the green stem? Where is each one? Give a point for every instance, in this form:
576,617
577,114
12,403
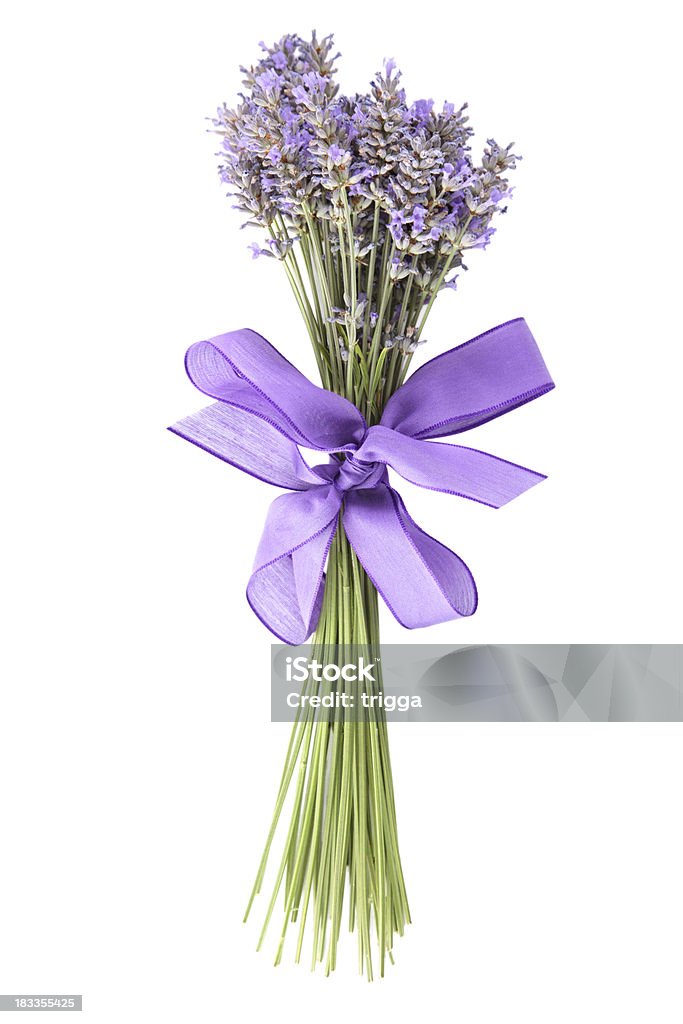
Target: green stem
340,857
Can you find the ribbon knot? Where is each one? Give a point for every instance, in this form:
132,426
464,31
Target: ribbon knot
265,410
353,472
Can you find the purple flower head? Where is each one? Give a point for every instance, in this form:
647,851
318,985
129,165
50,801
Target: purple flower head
338,156
351,131
359,116
498,194
315,93
315,82
421,109
419,214
269,80
481,236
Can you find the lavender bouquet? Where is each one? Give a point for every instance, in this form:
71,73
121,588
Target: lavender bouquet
370,204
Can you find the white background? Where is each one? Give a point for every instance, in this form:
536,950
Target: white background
137,760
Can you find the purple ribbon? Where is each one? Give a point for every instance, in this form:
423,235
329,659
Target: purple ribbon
266,409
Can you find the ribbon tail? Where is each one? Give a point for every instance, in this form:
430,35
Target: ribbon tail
451,468
421,580
244,440
286,587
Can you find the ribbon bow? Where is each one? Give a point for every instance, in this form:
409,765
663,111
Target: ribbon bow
266,409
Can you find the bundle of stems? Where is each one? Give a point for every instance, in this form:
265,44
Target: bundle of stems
343,818
364,353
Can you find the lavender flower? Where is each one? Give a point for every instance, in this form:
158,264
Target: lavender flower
384,197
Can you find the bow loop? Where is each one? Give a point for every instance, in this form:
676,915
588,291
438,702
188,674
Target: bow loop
286,586
244,370
421,580
485,377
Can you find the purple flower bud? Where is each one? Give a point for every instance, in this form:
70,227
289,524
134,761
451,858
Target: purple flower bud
421,109
269,80
419,214
396,226
337,155
315,82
